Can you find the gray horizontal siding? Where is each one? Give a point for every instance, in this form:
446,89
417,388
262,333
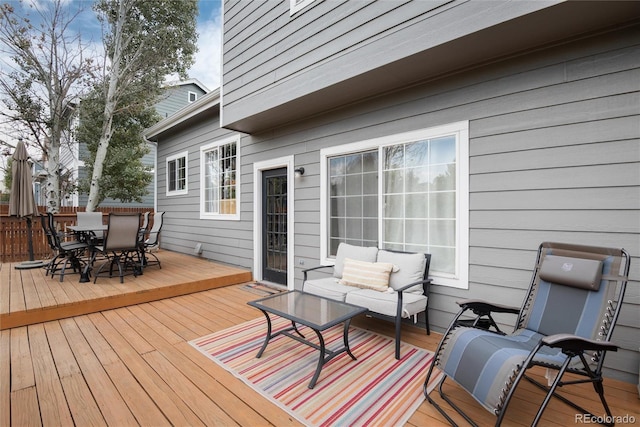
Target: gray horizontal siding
175,98
228,242
264,48
554,155
305,41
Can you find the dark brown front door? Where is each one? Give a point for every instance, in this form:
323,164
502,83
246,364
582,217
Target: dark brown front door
274,225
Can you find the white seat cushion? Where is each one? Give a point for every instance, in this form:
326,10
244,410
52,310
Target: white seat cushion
386,302
327,287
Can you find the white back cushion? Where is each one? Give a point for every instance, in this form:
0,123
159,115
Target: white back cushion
358,253
410,268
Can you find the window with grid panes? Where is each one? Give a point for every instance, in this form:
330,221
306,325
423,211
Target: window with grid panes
219,179
405,192
177,174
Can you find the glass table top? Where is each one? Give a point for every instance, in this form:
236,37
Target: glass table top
307,309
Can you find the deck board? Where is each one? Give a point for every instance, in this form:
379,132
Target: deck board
54,408
30,296
5,378
132,365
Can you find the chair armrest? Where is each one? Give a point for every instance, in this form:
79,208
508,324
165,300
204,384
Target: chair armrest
306,270
481,307
71,236
411,285
317,268
575,343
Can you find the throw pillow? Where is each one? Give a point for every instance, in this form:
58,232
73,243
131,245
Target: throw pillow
366,275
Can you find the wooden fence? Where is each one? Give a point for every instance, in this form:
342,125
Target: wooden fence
14,246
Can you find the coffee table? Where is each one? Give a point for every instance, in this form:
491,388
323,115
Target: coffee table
315,312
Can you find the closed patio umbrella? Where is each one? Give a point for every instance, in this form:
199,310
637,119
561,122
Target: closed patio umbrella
22,202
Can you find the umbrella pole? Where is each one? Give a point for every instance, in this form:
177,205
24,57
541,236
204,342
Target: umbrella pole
30,238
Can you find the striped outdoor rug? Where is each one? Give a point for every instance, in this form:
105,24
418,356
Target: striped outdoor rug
375,390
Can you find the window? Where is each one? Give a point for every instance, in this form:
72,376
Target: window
219,186
353,199
297,5
405,192
192,96
177,174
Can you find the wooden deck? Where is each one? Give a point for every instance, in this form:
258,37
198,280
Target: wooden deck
133,366
29,296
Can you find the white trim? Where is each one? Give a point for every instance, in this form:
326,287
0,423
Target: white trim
173,157
223,217
205,102
190,81
461,129
258,168
297,5
221,70
189,93
155,173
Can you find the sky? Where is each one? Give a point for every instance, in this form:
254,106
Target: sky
207,61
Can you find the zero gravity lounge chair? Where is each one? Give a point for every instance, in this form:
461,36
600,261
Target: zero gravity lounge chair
565,325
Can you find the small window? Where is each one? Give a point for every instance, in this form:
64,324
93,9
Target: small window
177,174
193,96
297,5
219,186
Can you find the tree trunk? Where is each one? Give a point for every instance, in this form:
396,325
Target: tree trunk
52,190
111,101
101,155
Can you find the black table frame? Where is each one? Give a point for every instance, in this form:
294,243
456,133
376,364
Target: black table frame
87,233
325,354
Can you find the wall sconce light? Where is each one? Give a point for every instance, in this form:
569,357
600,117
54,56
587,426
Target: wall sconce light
299,172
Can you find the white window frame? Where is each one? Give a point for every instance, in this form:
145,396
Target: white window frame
170,159
218,216
297,5
460,279
195,95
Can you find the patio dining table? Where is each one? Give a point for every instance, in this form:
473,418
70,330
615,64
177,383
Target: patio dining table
86,232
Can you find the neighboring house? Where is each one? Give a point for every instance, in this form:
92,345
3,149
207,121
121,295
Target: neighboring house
177,95
471,130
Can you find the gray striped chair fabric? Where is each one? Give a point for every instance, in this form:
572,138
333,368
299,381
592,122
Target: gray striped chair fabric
574,292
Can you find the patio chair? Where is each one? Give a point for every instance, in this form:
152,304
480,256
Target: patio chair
152,242
90,219
66,252
145,224
120,246
44,222
565,325
142,234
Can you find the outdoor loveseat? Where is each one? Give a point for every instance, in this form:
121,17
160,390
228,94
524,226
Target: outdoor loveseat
389,284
